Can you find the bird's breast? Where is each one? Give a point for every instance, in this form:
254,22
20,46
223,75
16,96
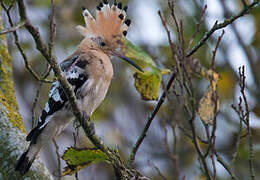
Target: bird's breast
100,73
101,66
92,93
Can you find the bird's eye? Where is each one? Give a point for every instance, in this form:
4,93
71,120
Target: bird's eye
102,44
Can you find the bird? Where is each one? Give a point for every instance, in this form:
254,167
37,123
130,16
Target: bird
88,70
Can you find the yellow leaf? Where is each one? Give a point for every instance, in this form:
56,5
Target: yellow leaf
70,170
207,105
148,85
227,84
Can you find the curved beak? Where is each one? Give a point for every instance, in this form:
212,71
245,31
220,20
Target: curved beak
130,62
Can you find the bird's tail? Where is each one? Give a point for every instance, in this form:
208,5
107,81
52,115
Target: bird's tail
25,161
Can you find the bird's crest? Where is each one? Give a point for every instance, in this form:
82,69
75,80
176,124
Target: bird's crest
110,21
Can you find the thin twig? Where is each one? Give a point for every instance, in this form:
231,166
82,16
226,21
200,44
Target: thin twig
234,156
27,65
213,165
13,28
247,120
218,26
194,140
211,145
198,26
213,151
58,159
202,140
171,6
185,132
149,121
215,51
250,57
173,48
180,57
182,42
226,166
244,117
157,169
187,86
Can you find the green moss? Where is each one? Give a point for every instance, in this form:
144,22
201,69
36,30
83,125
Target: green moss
7,90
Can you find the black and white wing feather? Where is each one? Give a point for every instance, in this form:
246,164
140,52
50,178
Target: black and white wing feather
74,70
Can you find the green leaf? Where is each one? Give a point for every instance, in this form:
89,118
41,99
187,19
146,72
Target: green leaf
147,83
77,159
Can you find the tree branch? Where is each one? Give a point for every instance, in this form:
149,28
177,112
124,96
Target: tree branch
247,121
218,26
13,28
149,121
215,50
198,26
17,43
250,57
12,130
226,166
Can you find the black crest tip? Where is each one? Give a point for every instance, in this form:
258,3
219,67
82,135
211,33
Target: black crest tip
83,8
105,1
101,5
125,8
98,8
128,22
119,5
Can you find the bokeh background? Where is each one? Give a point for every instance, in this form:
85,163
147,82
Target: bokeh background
122,116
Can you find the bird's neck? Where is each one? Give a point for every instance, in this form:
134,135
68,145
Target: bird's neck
86,45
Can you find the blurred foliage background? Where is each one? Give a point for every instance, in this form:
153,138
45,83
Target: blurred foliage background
122,116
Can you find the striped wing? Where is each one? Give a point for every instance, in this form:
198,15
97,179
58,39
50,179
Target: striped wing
74,70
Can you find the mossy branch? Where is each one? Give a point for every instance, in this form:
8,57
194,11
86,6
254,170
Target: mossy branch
12,130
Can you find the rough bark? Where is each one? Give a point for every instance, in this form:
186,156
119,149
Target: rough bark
12,130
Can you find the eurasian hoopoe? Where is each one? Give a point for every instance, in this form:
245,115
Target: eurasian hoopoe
88,70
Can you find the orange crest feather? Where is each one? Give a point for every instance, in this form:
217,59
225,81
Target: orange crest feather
109,22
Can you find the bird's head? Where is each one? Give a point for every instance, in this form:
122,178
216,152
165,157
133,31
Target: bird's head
108,29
